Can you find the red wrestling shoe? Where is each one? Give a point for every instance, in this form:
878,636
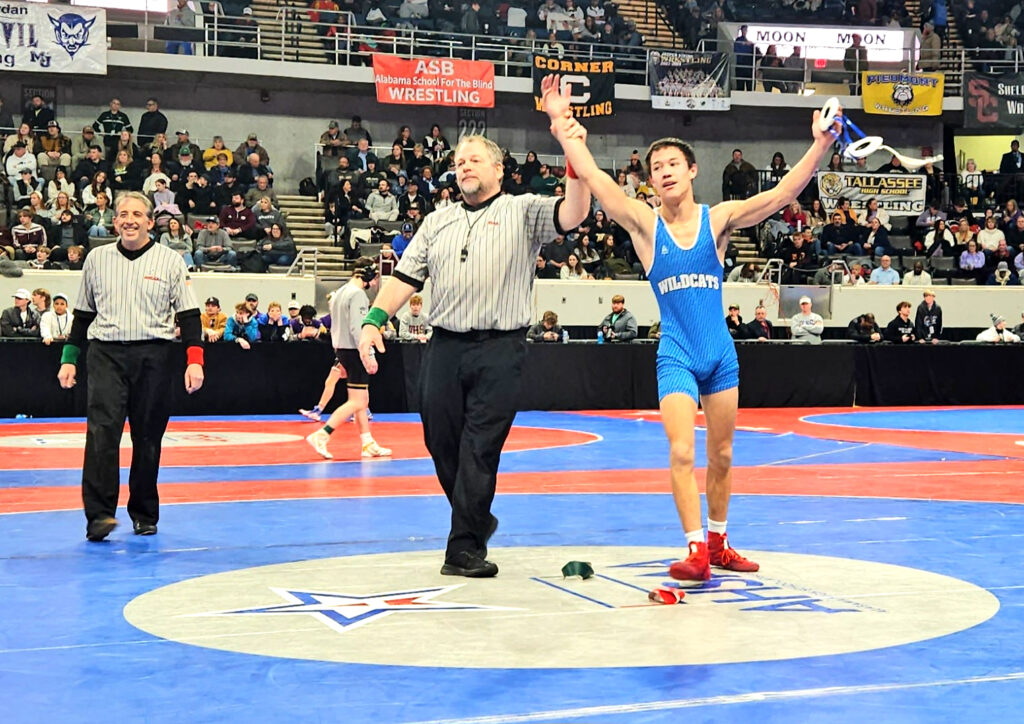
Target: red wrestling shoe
722,556
696,566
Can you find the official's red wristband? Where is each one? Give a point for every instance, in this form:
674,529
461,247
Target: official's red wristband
194,356
569,171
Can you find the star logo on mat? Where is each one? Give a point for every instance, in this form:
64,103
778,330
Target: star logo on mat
345,611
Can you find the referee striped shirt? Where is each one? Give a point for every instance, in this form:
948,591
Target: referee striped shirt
135,294
481,260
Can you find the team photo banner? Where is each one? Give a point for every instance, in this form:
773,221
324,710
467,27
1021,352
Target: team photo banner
903,94
994,101
38,38
688,81
434,81
591,83
902,193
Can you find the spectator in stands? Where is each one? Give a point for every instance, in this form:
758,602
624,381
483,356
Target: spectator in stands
963,234
213,244
26,187
124,175
885,275
266,216
620,325
972,263
1019,329
275,328
412,206
38,115
279,247
877,240
96,186
76,258
242,328
734,323
88,167
413,325
20,320
55,324
181,16
173,152
252,170
588,255
1002,253
436,145
381,204
26,236
855,61
574,269
959,210
840,238
357,132
1012,161
22,135
305,325
817,218
864,329
359,155
546,330
214,321
739,178
931,49
744,52
19,159
60,185
179,238
971,181
64,233
260,190
402,238
251,146
556,253
917,277
238,220
544,182
109,125
928,320
54,148
1003,276
212,158
543,271
198,196
939,241
990,237
797,259
844,208
901,329
894,166
333,141
42,260
873,210
997,333
99,218
153,121
806,326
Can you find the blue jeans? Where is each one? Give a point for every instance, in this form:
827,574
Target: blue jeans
98,230
187,257
228,256
278,257
853,249
173,46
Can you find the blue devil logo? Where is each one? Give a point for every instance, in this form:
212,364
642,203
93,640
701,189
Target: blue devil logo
71,31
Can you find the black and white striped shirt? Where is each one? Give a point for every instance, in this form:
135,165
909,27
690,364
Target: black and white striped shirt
134,295
481,261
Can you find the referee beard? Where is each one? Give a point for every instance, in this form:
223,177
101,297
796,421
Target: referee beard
131,327
480,255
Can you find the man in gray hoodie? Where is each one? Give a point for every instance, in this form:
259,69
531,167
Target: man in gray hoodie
806,326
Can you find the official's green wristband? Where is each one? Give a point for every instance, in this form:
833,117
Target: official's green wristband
69,356
377,317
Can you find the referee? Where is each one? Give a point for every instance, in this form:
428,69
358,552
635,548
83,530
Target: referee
480,255
132,294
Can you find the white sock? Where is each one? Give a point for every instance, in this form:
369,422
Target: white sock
365,438
695,536
716,526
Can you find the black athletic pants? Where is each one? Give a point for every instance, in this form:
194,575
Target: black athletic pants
125,380
469,386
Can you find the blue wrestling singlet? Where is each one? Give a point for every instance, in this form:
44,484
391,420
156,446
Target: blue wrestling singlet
696,355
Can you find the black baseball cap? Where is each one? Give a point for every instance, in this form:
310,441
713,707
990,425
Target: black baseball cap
251,297
212,218
214,301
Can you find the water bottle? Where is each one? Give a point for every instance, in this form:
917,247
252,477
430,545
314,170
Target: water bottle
22,416
600,336
565,336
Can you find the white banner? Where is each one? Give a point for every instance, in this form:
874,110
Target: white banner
826,42
52,38
897,193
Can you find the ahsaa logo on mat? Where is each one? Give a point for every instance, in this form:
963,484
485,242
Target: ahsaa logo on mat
396,609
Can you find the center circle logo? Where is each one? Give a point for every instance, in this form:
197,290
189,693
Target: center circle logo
396,609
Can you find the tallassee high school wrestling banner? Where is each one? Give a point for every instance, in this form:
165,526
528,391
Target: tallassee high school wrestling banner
52,38
994,101
901,193
433,81
592,83
689,81
903,94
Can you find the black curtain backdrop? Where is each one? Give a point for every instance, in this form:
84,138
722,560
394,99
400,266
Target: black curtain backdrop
278,379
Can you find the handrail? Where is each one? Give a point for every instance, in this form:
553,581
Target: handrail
299,263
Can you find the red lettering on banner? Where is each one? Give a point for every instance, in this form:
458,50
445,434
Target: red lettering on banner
434,81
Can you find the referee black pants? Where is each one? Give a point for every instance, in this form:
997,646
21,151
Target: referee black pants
469,386
133,381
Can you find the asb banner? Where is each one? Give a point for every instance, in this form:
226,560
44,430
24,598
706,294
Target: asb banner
592,83
994,101
903,94
901,193
52,38
689,81
434,81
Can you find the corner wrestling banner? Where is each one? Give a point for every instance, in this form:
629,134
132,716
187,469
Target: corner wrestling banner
902,193
433,81
592,83
39,38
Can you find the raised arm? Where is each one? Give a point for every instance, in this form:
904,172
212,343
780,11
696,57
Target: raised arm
730,215
634,216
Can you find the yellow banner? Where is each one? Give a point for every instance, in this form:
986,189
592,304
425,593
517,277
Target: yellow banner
902,94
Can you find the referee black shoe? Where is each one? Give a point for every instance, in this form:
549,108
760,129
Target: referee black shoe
100,528
468,565
141,528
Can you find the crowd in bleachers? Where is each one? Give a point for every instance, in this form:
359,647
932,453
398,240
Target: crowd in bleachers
216,206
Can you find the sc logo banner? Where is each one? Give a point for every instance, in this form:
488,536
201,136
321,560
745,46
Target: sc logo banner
579,87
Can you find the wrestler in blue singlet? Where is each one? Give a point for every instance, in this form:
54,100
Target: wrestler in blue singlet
696,355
